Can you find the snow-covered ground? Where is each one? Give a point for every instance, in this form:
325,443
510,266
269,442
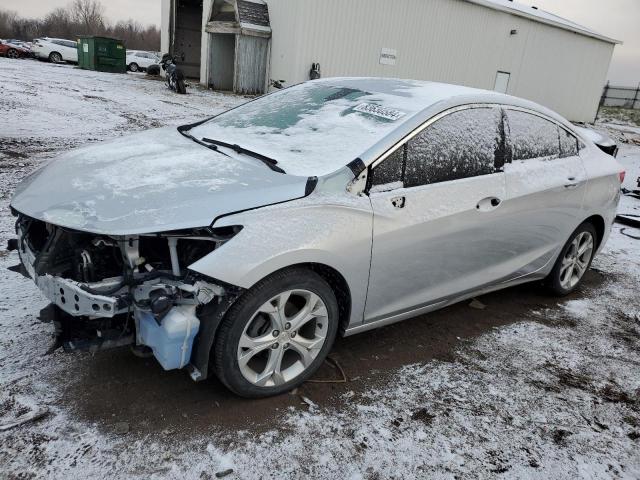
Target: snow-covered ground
554,392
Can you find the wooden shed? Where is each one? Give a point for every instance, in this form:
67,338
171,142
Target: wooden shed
239,34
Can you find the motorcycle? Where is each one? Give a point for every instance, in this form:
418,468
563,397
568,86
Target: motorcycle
175,76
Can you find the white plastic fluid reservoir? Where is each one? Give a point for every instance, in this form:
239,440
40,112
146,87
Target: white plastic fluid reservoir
172,340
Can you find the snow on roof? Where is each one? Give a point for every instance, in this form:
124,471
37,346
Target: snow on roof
534,13
254,15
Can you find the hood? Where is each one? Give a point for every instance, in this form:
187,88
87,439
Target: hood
149,182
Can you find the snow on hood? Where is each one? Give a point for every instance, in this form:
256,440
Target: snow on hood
149,182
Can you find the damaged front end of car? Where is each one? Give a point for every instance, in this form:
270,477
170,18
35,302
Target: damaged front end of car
110,291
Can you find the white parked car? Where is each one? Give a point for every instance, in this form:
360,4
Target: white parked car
140,61
56,50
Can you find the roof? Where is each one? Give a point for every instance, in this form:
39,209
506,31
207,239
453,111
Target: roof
254,15
542,16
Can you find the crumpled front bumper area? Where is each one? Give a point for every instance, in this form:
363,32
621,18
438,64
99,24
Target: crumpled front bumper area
112,291
72,299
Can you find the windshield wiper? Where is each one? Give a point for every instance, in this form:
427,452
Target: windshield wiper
269,162
183,131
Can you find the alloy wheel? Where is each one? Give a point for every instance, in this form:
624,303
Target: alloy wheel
12,53
56,57
282,338
576,260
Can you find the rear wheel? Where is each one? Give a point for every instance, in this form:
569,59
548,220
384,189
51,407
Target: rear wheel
55,57
277,334
133,66
574,260
180,86
12,53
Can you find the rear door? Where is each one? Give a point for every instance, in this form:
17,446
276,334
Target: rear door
546,184
438,223
72,51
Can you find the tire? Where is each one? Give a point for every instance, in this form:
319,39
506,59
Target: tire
259,354
133,66
55,57
153,70
180,86
571,265
12,53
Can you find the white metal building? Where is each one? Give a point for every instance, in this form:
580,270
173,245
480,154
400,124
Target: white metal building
242,45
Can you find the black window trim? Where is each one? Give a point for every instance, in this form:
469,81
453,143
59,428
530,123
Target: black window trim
402,143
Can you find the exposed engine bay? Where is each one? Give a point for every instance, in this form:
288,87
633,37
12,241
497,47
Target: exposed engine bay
110,291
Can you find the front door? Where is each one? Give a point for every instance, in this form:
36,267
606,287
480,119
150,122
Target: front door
438,222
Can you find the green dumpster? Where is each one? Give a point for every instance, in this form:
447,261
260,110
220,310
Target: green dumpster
102,54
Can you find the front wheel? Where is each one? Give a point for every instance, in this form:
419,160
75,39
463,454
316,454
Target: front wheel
277,334
133,66
574,260
12,53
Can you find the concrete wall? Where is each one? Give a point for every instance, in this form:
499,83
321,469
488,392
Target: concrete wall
450,41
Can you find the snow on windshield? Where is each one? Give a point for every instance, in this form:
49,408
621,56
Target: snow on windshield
317,127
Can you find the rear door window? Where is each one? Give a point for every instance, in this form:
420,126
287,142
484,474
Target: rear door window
531,136
568,144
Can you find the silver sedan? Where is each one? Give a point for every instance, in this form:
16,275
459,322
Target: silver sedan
243,245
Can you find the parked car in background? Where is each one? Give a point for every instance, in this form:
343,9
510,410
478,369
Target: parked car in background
55,50
13,50
139,61
242,245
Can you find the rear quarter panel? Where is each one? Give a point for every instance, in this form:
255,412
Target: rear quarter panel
603,186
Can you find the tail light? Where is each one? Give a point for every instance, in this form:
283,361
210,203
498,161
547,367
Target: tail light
621,176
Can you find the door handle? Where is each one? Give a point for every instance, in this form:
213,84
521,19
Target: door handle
572,183
398,202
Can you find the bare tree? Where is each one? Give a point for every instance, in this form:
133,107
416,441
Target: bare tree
7,20
80,17
58,24
88,15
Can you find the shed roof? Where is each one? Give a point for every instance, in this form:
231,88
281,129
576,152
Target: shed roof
542,16
253,14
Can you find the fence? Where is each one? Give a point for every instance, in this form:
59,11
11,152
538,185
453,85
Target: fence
624,97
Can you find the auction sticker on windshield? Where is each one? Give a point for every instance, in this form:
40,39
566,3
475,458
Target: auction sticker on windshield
379,111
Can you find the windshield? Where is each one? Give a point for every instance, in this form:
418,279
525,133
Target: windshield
311,129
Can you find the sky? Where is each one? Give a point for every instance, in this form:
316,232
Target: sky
619,19
144,11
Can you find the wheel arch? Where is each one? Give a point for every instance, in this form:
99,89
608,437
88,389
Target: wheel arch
207,336
599,224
